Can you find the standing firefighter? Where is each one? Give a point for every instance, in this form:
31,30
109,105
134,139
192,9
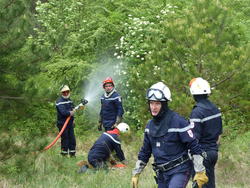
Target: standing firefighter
208,125
168,136
111,106
65,108
101,151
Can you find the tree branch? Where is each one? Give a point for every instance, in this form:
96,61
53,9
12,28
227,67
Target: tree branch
14,98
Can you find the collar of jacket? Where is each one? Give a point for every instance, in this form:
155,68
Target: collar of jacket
160,128
107,95
205,103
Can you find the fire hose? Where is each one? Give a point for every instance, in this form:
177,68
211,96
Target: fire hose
59,135
80,106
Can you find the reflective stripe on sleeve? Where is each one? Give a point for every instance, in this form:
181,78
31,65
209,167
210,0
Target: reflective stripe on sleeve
66,102
205,119
112,99
190,126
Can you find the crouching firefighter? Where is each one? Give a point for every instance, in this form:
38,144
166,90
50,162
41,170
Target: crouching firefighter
100,152
168,136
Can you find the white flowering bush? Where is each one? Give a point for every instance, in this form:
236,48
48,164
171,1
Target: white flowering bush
135,45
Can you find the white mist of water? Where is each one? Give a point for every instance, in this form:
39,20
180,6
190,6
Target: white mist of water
93,89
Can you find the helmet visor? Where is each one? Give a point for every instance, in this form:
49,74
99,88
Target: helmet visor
155,94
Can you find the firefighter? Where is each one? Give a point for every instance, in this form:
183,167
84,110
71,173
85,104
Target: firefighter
207,125
168,136
101,152
111,106
65,108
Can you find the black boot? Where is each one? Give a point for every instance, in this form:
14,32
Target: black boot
64,153
72,154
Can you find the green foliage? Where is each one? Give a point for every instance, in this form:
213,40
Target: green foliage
197,40
15,26
148,41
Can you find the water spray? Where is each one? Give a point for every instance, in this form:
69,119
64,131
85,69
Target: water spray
93,87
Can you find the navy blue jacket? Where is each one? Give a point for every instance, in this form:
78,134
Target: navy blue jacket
63,106
111,107
208,124
175,143
104,146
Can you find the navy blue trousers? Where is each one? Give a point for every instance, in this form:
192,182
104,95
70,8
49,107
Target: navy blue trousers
178,180
209,163
68,140
97,163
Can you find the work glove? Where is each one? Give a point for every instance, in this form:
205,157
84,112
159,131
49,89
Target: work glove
139,166
201,178
135,180
198,163
200,172
118,120
100,126
72,112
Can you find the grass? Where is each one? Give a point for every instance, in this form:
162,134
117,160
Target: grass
49,169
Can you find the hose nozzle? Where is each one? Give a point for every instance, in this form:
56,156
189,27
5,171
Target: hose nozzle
84,101
81,105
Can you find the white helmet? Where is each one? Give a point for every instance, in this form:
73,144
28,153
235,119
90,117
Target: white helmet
199,86
64,88
159,92
123,127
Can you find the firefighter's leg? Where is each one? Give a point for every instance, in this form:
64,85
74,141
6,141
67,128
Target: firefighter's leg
179,180
162,180
72,141
209,163
64,142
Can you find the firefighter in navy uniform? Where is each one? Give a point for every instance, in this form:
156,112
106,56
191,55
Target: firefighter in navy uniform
208,125
168,136
102,149
65,108
111,106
